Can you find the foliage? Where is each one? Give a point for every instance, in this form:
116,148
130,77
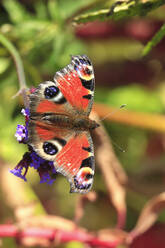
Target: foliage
155,40
120,10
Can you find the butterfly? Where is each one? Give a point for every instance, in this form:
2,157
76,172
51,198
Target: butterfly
59,124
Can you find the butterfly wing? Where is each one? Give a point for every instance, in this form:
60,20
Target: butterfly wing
76,82
71,152
70,93
76,162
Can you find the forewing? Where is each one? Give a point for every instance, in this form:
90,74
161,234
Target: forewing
76,82
70,93
47,98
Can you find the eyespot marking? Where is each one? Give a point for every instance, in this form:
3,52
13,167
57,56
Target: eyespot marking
62,142
62,100
84,178
50,148
81,186
51,92
89,176
82,61
88,71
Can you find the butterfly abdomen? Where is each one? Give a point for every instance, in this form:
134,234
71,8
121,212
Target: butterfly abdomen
64,121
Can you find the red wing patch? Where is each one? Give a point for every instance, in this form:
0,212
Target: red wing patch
47,106
48,132
71,156
71,87
71,93
76,162
76,82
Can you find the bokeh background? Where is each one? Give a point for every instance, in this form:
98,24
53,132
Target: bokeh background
45,34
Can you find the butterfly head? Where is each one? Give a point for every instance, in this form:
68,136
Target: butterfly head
84,124
94,124
83,180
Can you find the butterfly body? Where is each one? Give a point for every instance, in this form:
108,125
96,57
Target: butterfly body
59,126
77,122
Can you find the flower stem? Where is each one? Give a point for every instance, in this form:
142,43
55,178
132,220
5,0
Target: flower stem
19,67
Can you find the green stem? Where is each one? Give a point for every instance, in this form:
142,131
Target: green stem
120,10
19,66
155,40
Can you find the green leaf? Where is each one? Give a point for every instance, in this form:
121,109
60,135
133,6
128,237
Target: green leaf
41,10
69,7
120,10
16,11
33,30
154,41
64,45
8,242
74,244
54,10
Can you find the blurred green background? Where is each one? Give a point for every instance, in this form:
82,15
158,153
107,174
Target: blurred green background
45,34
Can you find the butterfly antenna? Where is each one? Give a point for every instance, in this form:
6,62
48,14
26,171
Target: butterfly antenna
113,112
119,147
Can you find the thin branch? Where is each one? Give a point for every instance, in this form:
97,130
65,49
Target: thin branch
51,235
114,178
19,67
148,216
80,205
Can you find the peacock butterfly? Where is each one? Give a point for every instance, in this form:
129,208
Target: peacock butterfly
59,125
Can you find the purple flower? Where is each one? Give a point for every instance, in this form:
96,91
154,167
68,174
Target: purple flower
18,172
46,178
37,161
25,112
47,172
45,168
21,133
23,164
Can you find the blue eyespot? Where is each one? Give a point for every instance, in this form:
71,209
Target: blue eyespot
82,61
76,68
50,148
51,92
